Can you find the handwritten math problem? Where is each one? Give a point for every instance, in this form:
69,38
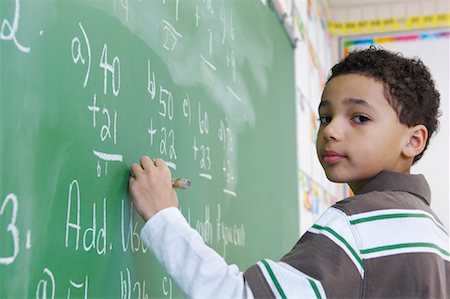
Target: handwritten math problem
90,86
179,128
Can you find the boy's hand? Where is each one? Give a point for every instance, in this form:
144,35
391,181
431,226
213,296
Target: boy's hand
150,186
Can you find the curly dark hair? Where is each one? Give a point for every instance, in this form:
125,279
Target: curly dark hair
408,85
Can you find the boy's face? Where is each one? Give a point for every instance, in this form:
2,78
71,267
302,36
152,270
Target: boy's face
359,134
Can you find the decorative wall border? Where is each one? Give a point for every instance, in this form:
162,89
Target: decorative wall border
389,25
348,44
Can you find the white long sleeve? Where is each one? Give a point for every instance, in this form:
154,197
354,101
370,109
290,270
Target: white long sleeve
196,268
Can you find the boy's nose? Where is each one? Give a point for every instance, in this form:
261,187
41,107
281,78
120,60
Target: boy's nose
332,131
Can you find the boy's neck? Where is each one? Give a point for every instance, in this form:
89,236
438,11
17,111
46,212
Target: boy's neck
357,186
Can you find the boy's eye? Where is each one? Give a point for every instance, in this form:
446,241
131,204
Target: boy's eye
360,119
324,119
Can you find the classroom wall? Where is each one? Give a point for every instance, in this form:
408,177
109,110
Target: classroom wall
435,164
391,9
312,59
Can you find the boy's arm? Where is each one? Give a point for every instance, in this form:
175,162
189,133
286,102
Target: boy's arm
197,269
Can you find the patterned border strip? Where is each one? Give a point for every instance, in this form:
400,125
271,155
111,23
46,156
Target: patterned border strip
348,45
389,25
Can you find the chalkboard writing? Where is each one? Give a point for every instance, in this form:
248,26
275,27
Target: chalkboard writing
87,87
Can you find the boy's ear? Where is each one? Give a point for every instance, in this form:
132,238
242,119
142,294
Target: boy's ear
416,140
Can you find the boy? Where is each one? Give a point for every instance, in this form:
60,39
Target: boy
377,112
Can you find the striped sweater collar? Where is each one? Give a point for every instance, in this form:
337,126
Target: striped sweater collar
395,181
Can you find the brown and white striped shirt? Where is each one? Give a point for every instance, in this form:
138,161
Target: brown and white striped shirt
384,242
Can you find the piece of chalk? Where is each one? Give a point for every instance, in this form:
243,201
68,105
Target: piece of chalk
181,183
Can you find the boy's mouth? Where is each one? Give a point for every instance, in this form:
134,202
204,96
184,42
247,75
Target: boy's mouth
331,157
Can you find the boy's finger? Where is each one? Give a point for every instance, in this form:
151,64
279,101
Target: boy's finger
158,162
135,169
146,162
161,165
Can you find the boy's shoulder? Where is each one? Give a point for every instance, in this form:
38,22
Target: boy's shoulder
388,191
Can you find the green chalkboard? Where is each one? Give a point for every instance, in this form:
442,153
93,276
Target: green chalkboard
89,86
